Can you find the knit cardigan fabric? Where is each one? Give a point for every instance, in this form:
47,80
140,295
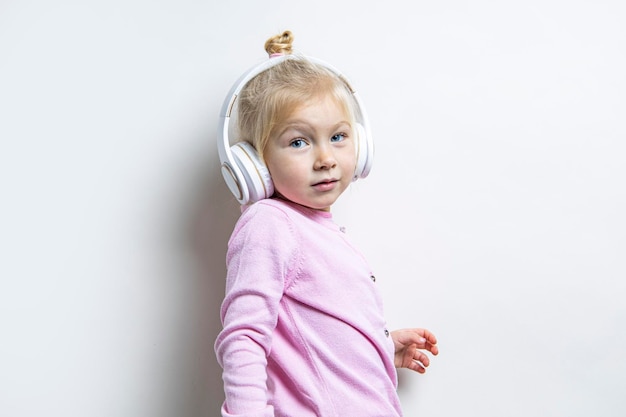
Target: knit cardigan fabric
303,328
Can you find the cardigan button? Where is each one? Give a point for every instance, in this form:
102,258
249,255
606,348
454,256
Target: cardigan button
373,278
386,332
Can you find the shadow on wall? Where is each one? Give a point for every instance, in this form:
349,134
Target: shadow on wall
214,213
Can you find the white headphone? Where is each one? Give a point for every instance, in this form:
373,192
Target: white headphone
245,173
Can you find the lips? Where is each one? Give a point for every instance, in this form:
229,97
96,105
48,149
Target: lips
326,185
326,181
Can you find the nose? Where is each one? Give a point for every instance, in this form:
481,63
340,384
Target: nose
324,157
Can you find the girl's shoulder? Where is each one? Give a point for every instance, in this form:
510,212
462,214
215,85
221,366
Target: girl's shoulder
269,216
277,217
282,209
267,222
267,209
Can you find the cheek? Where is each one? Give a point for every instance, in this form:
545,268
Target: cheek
348,159
284,172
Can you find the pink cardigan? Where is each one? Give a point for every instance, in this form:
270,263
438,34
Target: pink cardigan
304,333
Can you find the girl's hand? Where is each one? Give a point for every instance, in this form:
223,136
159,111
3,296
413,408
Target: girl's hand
408,343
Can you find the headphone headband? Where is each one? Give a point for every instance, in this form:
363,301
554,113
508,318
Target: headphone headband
233,173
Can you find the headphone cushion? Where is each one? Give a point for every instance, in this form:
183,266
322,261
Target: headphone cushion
362,152
257,177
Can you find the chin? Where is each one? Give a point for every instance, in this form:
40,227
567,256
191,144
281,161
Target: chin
320,203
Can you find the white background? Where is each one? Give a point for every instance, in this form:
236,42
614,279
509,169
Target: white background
494,214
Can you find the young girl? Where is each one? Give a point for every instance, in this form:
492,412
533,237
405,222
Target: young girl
304,333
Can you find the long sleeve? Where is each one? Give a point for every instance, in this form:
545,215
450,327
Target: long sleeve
260,255
304,333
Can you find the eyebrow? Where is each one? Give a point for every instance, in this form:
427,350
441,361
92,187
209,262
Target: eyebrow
301,124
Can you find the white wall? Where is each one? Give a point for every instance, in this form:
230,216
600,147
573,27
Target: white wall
494,214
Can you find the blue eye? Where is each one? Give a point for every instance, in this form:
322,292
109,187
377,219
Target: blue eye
338,137
297,143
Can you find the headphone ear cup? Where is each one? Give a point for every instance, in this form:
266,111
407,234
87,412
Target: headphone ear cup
364,152
257,177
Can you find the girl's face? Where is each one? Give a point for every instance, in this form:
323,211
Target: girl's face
312,157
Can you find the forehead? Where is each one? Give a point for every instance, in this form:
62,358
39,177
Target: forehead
320,107
321,103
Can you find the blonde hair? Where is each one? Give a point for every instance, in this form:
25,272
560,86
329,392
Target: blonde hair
270,97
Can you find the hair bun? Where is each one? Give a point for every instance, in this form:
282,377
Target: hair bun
280,44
